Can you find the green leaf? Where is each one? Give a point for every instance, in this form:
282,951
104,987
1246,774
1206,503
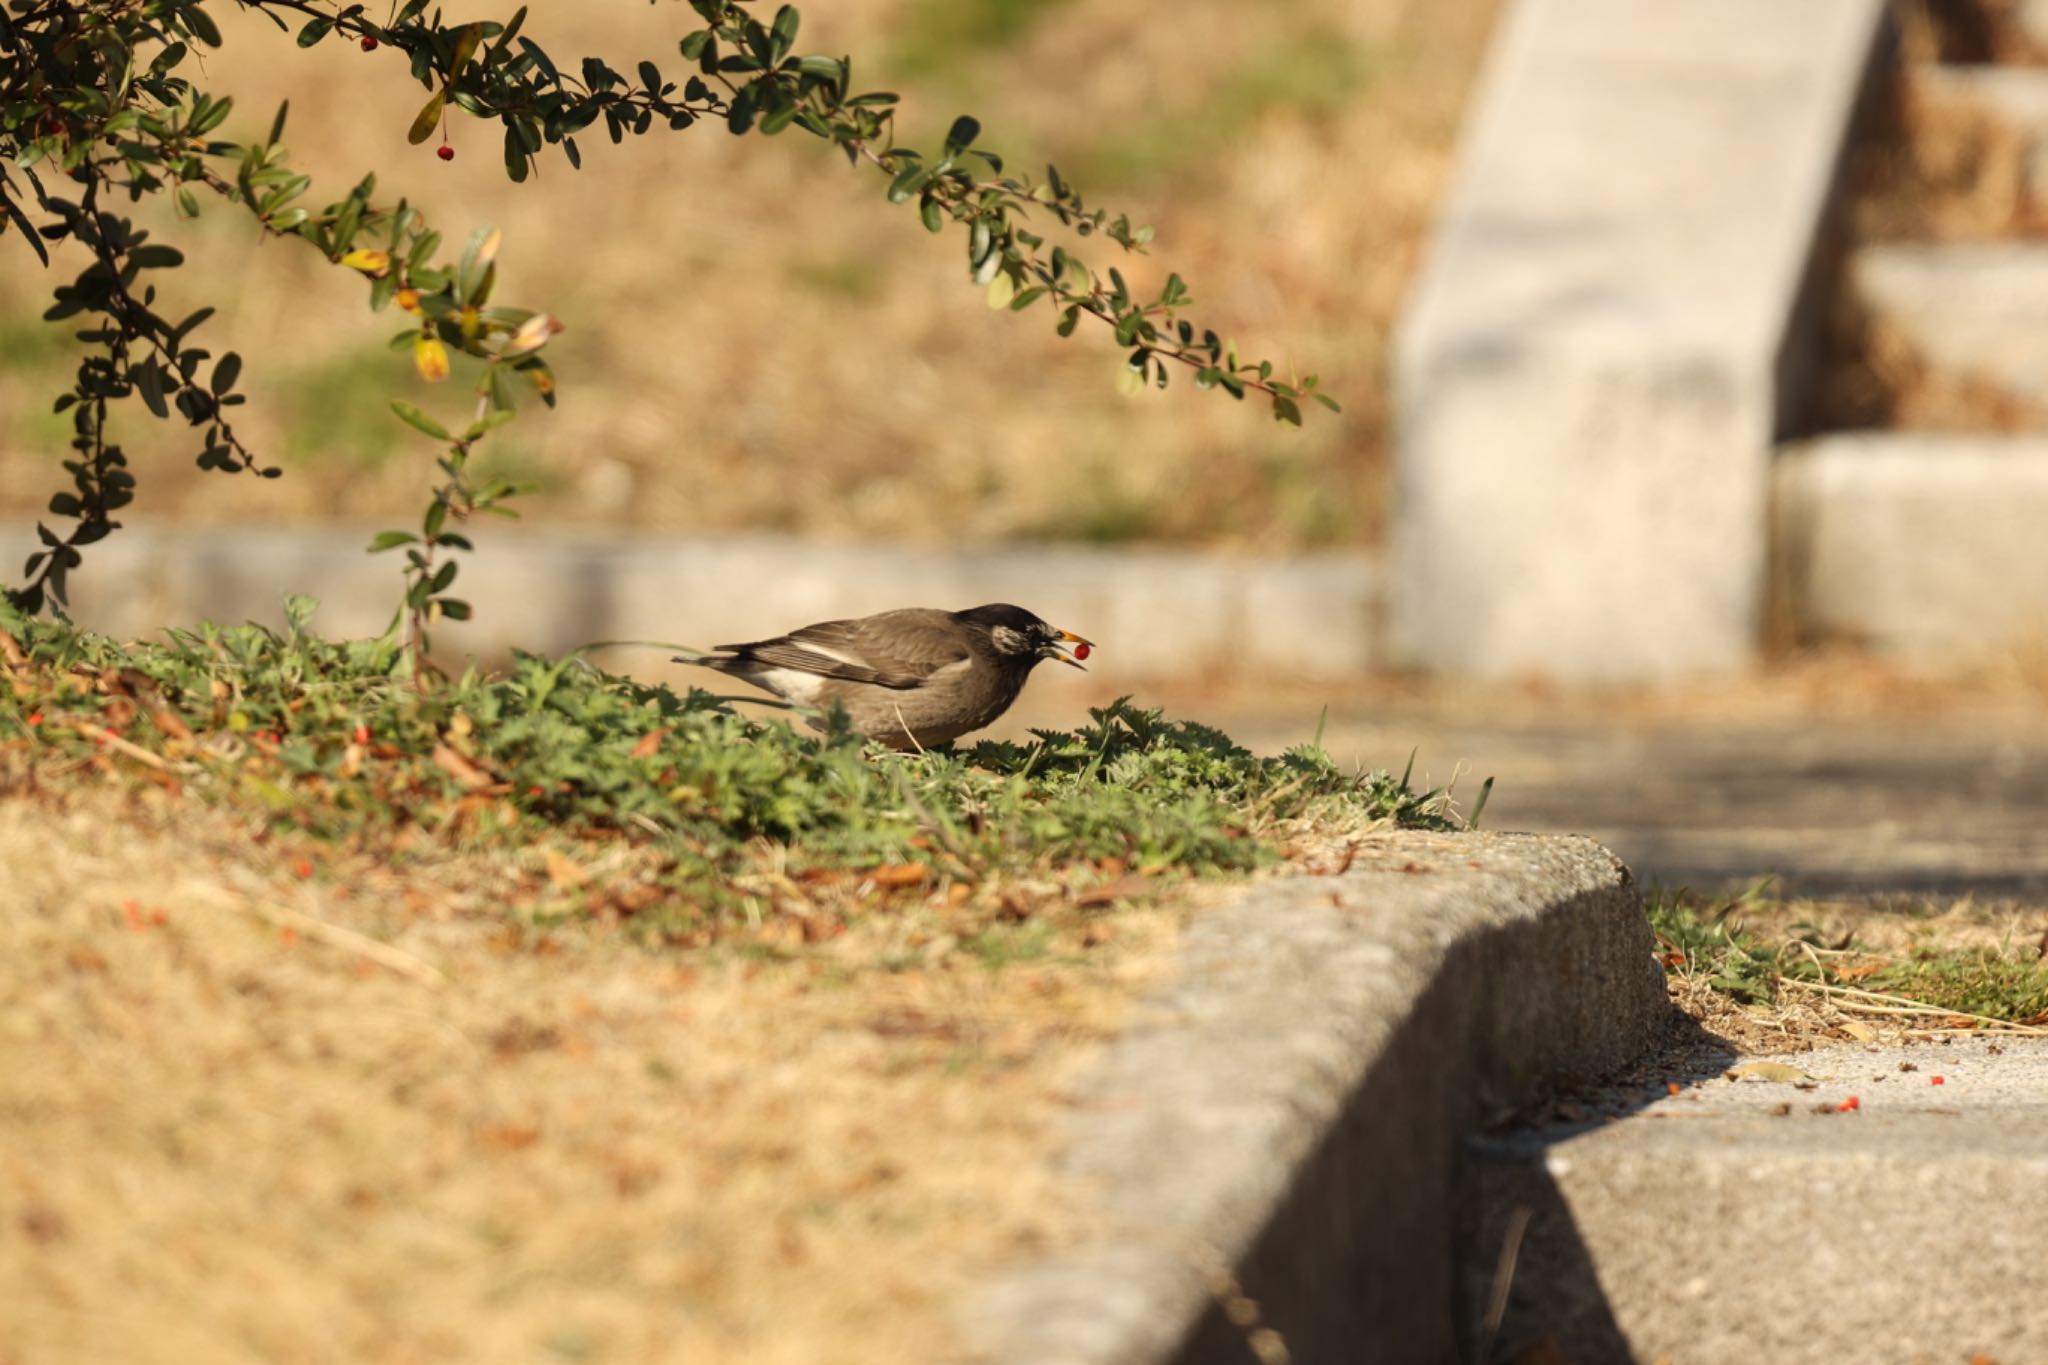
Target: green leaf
149,382
156,257
454,608
650,76
418,420
515,155
692,47
225,372
391,540
932,213
424,121
314,32
961,135
907,183
201,26
1285,410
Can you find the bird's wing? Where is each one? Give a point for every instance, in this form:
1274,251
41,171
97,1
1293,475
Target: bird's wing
828,649
914,642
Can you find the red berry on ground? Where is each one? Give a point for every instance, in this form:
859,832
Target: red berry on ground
445,152
369,43
1851,1103
1937,1080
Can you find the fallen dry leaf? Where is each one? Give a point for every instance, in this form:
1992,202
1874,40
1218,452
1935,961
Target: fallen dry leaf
891,875
465,773
1133,884
565,872
1767,1071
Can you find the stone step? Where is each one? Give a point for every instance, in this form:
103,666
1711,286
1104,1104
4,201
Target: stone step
2016,96
1735,1222
1969,309
1922,545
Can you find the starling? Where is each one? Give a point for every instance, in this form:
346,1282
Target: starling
911,678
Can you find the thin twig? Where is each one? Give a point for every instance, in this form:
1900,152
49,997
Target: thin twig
383,954
99,734
1879,1002
1503,1281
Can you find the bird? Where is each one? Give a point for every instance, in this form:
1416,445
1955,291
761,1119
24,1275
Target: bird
913,678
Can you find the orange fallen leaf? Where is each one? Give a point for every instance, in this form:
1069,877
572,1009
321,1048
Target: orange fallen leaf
565,872
649,744
465,773
508,1137
892,875
1134,884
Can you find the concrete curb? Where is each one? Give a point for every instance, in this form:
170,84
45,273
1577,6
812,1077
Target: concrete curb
1159,613
1290,1107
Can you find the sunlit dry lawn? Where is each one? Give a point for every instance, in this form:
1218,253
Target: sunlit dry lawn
282,1101
757,339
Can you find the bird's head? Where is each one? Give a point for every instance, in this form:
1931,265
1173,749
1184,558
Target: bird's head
1017,632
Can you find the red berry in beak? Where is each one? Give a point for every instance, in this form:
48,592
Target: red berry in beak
1082,651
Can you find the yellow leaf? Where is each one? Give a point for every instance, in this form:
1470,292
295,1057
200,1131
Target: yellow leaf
1769,1071
432,358
369,262
1130,382
487,250
1001,290
532,334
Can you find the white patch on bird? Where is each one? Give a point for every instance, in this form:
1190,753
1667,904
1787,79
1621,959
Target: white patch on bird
792,684
1010,641
945,671
844,656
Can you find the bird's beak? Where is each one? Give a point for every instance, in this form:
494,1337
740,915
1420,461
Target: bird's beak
1073,659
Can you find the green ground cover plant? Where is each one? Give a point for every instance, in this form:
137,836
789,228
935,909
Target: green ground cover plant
1918,962
729,819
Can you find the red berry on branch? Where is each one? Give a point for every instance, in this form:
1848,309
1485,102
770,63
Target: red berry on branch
369,43
445,152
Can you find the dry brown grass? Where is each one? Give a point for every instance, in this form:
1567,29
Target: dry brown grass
756,339
224,1140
